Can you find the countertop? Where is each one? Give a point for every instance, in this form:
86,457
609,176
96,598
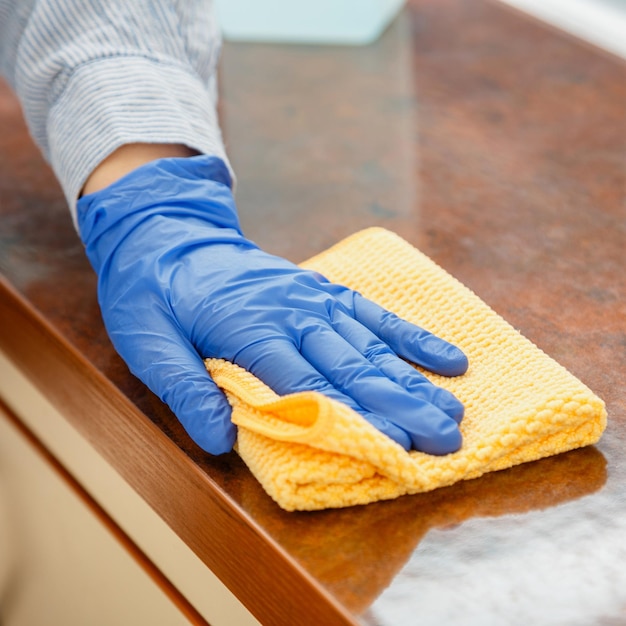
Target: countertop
493,143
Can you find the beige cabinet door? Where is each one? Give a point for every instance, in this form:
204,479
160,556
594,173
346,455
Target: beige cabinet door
59,565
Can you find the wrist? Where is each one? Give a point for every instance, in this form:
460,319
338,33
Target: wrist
159,197
128,158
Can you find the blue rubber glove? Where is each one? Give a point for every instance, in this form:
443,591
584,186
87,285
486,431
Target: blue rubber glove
178,282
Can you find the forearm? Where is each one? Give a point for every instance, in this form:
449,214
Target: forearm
94,76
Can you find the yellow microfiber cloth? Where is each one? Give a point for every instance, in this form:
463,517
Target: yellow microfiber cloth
310,452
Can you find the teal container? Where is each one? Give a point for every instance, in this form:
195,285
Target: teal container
348,22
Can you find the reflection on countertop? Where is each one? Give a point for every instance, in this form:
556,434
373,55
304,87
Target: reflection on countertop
517,147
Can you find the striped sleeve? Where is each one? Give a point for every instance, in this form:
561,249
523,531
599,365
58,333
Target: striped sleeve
93,75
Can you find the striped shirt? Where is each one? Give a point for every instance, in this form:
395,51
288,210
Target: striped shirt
92,75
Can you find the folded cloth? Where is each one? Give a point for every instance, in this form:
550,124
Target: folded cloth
310,452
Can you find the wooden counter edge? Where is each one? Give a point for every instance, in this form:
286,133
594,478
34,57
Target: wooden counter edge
218,531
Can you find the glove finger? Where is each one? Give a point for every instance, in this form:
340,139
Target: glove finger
382,357
281,367
167,363
430,429
410,341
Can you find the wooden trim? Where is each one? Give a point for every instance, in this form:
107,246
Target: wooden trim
261,574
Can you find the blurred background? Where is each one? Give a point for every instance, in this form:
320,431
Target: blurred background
601,22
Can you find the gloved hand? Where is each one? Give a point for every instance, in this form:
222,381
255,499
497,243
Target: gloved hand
178,282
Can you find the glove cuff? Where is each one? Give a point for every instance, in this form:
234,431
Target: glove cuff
192,187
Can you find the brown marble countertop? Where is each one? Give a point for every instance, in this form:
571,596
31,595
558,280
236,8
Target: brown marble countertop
496,145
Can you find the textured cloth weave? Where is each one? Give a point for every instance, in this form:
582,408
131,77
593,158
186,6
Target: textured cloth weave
310,452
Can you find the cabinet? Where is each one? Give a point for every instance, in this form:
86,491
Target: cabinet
60,566
77,544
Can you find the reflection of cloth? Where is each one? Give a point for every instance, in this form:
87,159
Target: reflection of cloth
310,452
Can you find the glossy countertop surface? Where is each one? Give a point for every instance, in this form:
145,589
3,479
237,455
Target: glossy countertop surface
497,146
